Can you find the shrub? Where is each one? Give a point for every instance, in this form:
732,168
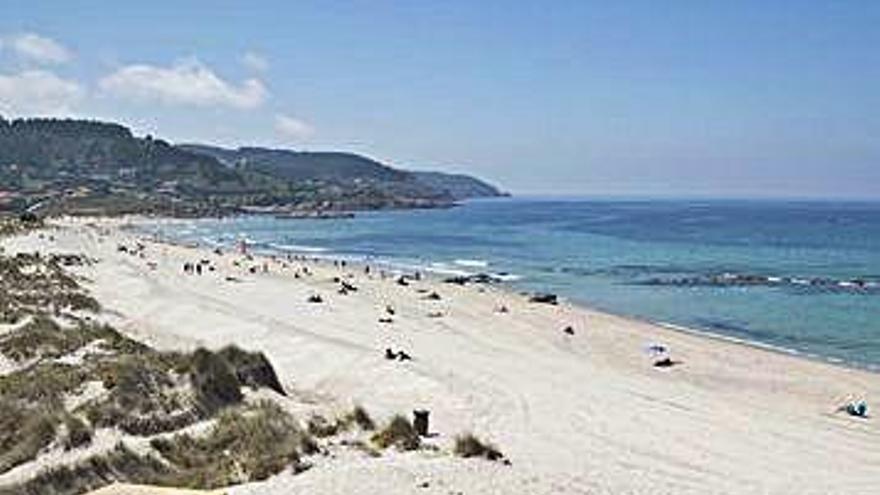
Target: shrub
78,433
319,426
242,446
23,433
252,368
120,464
398,433
361,418
214,383
468,445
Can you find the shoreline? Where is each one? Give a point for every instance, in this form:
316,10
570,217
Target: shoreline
513,287
579,412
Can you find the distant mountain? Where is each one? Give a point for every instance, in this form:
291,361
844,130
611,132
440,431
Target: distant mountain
346,167
302,165
98,167
458,186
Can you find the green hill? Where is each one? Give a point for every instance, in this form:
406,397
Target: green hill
98,167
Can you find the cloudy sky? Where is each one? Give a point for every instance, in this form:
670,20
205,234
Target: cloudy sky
678,98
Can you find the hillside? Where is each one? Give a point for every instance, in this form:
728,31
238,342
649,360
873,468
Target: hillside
346,167
459,186
97,167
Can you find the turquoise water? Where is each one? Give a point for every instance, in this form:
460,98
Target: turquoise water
803,276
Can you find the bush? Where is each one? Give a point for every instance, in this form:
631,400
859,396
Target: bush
361,418
214,383
78,433
319,426
253,369
468,445
120,464
242,446
398,433
23,434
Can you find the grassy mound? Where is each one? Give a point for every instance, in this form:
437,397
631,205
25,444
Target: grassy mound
243,446
468,445
399,433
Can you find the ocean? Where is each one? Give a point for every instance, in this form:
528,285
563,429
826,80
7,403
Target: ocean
798,276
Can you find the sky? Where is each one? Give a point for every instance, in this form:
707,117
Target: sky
626,98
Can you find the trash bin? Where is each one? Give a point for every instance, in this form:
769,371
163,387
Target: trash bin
420,421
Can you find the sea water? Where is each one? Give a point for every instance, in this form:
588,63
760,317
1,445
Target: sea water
795,275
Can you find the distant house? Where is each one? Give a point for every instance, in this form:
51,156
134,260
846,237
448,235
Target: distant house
126,172
167,187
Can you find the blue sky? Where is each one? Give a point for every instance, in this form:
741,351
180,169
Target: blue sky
705,98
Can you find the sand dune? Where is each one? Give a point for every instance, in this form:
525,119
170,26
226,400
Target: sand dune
581,413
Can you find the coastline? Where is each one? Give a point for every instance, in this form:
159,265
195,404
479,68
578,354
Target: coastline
512,285
580,412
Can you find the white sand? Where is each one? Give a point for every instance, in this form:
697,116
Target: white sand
575,414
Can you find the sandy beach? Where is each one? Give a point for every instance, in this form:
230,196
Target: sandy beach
579,412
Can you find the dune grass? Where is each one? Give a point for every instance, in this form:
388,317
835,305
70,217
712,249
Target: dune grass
399,433
468,445
244,445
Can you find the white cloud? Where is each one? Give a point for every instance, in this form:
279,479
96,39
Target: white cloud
40,49
187,82
255,62
38,92
292,129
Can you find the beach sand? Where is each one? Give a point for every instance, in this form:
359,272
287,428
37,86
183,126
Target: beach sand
581,413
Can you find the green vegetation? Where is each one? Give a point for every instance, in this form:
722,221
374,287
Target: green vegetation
359,416
468,445
23,433
87,167
244,445
120,464
78,433
399,433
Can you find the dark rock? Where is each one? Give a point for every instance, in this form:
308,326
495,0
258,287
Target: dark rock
544,298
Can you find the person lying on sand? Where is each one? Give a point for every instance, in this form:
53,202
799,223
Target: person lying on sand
399,355
857,408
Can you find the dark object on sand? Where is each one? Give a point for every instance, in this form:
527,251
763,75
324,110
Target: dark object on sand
544,298
420,421
657,348
389,310
400,355
502,309
349,287
858,409
435,314
386,320
568,330
402,281
665,362
433,296
315,298
458,280
478,278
